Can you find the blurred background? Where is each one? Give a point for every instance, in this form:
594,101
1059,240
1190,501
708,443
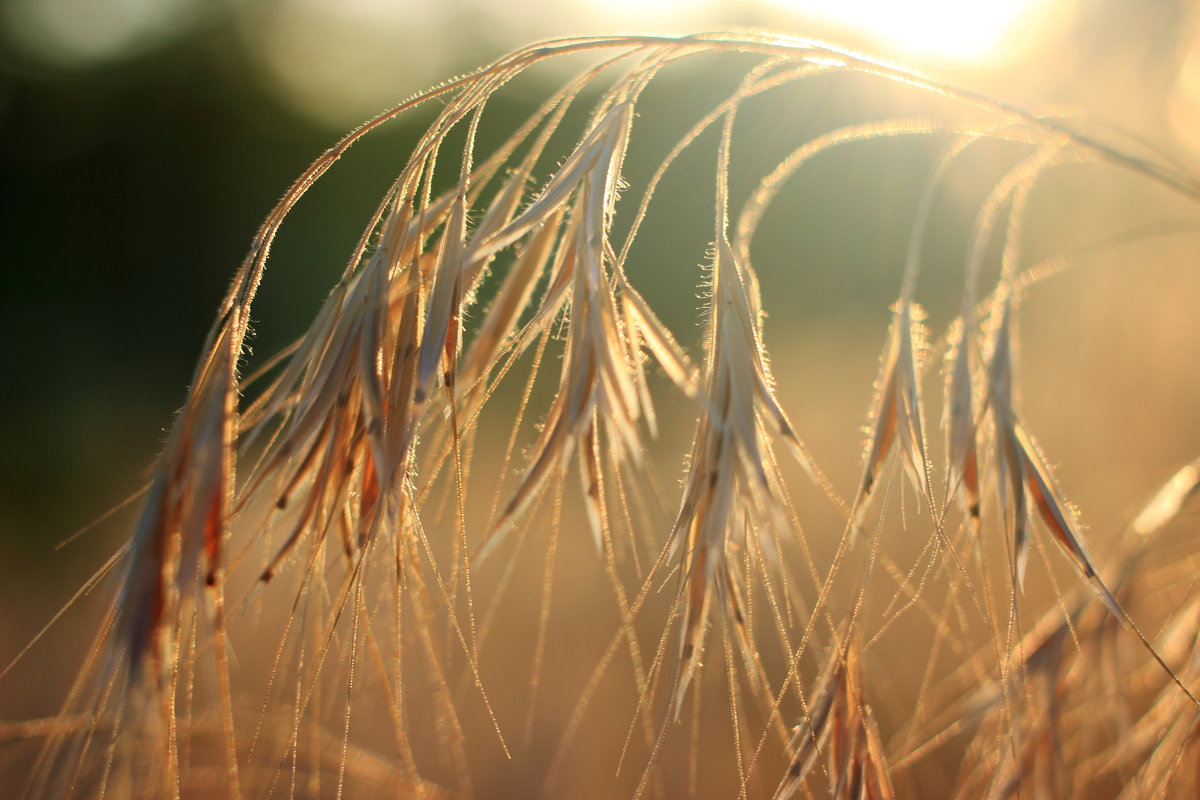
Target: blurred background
142,141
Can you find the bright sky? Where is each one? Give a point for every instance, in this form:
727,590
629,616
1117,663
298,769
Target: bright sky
962,31
342,60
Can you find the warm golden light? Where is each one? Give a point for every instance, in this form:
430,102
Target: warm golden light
949,30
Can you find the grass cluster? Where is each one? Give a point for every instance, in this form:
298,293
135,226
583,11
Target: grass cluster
339,583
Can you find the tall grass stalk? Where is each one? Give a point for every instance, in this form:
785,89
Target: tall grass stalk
315,598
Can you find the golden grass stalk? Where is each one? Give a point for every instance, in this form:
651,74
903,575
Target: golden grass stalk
337,506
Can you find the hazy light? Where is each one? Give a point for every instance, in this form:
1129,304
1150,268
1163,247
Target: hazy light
342,62
78,32
953,30
1183,102
620,13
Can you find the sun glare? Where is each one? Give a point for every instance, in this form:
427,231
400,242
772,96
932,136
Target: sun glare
948,30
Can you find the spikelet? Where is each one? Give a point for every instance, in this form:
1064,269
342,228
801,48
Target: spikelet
338,400
896,418
1025,475
1169,500
959,420
729,493
728,490
172,582
1018,750
838,724
608,324
184,519
1162,743
595,380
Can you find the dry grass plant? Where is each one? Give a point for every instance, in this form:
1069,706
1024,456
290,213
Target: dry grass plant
302,606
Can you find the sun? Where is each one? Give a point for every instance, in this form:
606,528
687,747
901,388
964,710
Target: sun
943,30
